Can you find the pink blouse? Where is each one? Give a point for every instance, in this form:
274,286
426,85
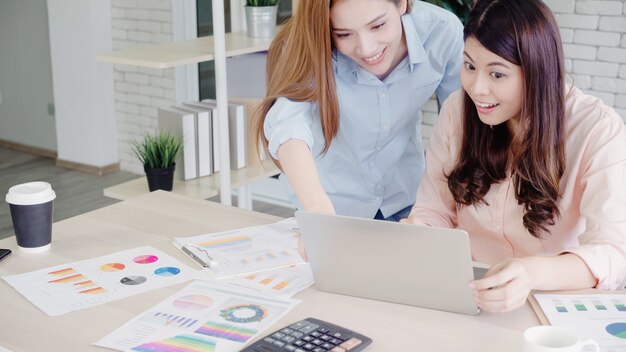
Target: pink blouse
593,202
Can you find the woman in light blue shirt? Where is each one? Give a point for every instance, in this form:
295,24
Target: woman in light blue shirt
346,82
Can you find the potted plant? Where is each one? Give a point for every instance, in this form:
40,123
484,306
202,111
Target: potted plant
261,18
157,152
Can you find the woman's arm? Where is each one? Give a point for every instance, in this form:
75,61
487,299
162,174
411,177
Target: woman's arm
299,167
507,284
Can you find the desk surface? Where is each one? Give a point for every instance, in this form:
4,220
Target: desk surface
154,219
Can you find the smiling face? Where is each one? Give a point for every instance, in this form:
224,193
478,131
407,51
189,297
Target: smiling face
495,85
370,33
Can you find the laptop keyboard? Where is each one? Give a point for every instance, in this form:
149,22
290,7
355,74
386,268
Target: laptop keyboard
311,335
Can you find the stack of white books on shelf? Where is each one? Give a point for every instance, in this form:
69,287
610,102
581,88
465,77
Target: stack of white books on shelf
183,124
197,124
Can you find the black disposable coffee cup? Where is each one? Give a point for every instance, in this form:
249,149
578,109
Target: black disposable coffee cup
31,207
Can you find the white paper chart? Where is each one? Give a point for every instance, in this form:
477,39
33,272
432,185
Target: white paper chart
600,317
247,250
283,282
202,316
73,286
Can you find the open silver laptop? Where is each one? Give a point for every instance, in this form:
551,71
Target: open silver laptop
388,261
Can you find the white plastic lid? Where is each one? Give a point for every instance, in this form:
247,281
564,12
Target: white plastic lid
30,193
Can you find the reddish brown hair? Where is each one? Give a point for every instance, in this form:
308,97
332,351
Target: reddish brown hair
300,68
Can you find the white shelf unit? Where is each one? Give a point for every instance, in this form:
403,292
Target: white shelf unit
217,48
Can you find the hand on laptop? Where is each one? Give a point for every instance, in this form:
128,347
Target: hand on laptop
504,287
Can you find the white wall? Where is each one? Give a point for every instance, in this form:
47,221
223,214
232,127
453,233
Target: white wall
83,88
140,91
594,43
26,75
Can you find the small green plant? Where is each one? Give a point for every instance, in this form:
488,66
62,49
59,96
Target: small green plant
460,8
262,2
157,150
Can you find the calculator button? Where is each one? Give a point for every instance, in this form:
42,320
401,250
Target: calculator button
299,350
307,338
286,331
351,343
308,328
278,335
308,347
338,349
337,335
269,339
299,343
317,342
299,324
335,341
325,337
279,343
288,339
319,349
316,334
323,330
297,334
290,348
327,345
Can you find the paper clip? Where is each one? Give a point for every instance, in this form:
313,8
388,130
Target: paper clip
208,263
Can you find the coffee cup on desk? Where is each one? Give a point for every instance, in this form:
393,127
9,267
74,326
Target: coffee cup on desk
31,207
555,339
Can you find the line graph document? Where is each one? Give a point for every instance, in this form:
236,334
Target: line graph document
246,250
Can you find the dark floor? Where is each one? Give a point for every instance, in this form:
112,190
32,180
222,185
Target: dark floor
76,192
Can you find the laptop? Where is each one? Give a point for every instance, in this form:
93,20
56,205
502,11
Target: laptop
401,263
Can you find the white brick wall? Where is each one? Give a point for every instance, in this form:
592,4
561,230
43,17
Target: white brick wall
139,91
598,47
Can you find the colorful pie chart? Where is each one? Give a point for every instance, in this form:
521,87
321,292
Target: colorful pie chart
112,267
146,259
193,302
167,271
133,280
617,330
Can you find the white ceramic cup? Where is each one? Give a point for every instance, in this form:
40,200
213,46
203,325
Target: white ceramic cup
554,339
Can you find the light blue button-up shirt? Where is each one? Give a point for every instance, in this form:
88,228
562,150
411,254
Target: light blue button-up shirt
377,158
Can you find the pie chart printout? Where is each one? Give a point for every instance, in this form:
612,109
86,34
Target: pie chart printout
112,267
193,302
617,330
146,259
133,280
167,271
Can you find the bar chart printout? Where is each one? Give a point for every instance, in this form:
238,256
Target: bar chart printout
201,317
601,317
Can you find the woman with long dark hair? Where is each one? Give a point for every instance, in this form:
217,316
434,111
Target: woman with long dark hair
536,172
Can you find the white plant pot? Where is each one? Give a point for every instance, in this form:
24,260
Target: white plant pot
261,21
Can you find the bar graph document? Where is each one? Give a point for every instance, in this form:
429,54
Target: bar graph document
601,317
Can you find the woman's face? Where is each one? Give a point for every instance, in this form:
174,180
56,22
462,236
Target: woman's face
495,85
370,33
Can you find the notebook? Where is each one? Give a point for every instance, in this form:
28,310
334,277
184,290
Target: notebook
408,264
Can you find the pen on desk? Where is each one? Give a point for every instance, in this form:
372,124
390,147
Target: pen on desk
203,263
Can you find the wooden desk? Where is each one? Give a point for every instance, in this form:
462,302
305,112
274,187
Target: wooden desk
155,218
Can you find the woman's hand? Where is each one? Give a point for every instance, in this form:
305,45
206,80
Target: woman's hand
504,287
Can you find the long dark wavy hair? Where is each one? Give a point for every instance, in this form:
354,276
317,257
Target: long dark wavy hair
524,33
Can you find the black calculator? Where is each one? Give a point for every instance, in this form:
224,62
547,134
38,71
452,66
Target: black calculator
311,335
